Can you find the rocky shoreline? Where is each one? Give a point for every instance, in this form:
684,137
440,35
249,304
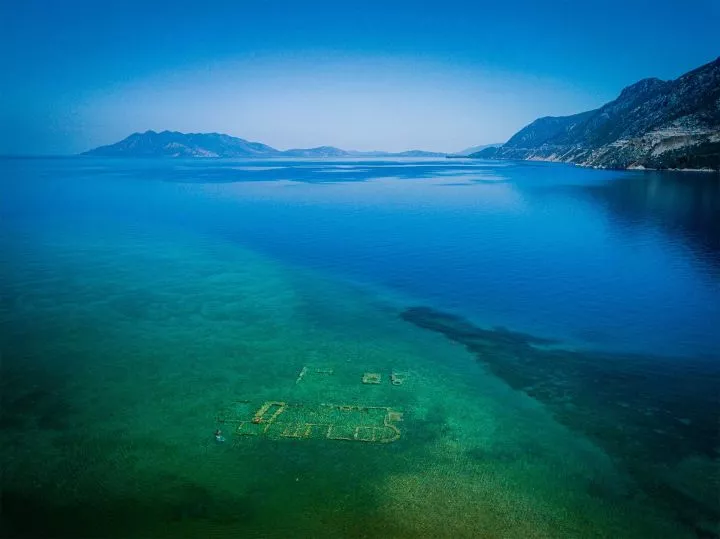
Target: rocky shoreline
652,125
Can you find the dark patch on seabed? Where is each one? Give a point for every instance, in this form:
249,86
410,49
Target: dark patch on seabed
648,413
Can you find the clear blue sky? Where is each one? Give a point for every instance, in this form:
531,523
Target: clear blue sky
355,74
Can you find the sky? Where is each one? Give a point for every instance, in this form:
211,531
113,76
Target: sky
363,75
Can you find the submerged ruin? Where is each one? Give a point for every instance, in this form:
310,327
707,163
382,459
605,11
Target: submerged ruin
342,422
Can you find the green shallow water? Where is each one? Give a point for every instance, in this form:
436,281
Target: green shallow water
121,346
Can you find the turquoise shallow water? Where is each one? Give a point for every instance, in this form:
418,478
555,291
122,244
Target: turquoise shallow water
140,299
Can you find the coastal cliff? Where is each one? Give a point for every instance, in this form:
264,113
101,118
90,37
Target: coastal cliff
652,124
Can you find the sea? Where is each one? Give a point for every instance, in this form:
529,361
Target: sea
369,348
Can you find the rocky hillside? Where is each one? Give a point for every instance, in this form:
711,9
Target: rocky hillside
176,144
652,124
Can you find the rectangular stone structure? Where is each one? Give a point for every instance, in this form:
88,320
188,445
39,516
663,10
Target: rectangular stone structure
341,422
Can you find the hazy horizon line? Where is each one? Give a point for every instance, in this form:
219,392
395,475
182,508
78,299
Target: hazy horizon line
78,154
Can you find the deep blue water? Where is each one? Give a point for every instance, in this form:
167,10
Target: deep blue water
619,260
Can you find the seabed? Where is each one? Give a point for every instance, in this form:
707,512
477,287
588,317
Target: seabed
464,432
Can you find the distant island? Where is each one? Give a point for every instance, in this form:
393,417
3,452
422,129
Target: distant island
653,124
176,144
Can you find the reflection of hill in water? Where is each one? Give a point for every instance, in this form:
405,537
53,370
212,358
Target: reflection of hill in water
684,204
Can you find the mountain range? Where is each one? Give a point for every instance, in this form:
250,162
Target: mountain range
176,144
652,124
